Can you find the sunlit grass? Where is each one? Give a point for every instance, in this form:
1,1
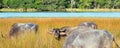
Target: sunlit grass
44,40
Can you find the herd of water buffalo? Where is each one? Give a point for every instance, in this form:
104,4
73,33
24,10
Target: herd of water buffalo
84,35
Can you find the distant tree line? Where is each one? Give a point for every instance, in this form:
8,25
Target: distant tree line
53,5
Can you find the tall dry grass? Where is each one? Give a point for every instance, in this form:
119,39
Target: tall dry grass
44,40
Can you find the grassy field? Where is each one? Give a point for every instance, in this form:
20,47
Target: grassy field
44,40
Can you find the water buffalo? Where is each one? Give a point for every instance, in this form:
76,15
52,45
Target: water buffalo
84,37
57,33
22,28
66,30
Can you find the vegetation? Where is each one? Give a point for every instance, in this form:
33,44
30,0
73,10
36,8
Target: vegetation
44,40
60,5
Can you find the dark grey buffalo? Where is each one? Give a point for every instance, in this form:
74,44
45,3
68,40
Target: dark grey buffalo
84,37
56,32
89,24
66,30
22,28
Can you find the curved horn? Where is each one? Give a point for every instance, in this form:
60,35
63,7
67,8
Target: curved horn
63,34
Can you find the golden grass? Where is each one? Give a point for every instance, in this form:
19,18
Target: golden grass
44,40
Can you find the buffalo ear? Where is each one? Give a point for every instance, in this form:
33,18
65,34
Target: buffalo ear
50,31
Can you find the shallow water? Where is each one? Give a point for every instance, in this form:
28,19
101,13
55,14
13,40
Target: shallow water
58,14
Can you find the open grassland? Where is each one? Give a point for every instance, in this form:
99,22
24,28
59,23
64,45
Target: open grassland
44,40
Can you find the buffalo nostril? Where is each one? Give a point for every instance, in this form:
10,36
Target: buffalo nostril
56,36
